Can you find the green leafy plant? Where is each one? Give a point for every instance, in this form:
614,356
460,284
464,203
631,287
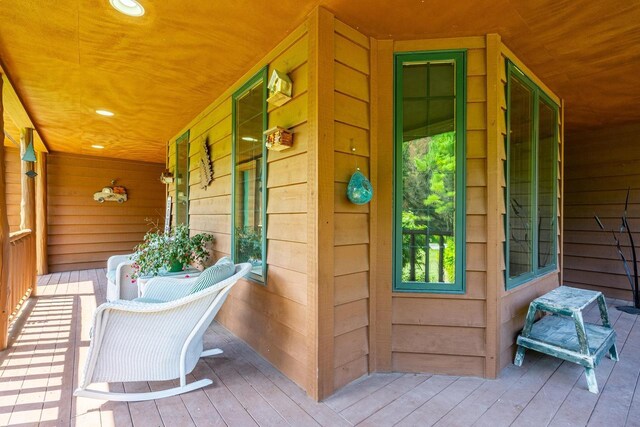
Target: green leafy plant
159,251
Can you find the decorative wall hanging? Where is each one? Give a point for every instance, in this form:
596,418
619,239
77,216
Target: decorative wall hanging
115,193
166,177
359,190
167,216
29,154
278,138
280,88
206,166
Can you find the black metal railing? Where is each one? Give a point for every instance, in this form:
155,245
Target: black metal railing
415,246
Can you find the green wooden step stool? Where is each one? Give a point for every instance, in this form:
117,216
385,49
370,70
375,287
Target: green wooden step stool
565,334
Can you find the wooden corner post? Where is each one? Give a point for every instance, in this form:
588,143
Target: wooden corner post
320,204
28,201
494,215
41,214
4,240
382,153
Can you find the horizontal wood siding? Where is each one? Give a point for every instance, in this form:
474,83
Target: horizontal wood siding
513,304
440,333
272,318
601,165
12,186
351,222
83,233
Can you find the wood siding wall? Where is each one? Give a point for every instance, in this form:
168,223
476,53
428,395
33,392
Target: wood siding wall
601,166
513,304
327,314
272,318
470,334
351,222
12,180
84,233
439,333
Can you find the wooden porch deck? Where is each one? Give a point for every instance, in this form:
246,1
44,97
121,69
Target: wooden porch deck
40,371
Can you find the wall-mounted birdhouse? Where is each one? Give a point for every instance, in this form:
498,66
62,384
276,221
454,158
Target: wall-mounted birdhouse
280,88
166,177
278,139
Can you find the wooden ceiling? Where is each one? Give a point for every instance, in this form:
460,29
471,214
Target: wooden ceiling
68,58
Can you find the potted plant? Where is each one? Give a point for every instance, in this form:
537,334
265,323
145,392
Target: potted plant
170,251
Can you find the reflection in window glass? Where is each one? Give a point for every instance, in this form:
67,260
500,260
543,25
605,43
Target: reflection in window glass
182,180
427,224
531,197
546,184
519,195
249,188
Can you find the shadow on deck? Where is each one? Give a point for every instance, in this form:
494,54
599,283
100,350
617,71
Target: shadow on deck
40,371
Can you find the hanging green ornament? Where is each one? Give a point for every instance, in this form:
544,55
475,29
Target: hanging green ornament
359,190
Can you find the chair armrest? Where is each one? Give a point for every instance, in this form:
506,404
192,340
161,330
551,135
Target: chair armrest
168,289
115,260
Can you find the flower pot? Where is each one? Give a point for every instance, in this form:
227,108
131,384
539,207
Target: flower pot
175,266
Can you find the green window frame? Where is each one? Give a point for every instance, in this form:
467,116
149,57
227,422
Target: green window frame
538,96
457,286
259,78
182,203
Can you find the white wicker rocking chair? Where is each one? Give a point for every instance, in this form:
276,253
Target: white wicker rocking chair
141,341
120,284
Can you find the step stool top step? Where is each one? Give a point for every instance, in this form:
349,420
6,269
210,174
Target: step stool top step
566,298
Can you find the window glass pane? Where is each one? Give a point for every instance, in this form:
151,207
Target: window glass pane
546,197
428,173
441,116
442,79
415,78
415,117
519,201
249,188
182,180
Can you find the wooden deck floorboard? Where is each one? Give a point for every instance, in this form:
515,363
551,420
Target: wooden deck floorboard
39,372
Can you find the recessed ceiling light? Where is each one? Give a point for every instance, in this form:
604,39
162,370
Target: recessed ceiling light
128,7
99,147
250,139
105,113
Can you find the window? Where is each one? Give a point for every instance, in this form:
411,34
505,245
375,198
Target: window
429,196
532,126
249,176
182,179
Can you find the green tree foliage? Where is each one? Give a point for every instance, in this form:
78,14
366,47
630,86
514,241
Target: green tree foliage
429,170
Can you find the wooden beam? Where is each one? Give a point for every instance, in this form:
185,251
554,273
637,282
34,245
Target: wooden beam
320,202
28,201
41,214
27,204
561,203
383,150
494,215
4,242
14,107
373,206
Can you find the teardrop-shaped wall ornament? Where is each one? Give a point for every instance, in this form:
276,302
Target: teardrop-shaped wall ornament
359,190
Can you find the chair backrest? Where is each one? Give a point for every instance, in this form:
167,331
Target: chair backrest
126,284
115,260
221,270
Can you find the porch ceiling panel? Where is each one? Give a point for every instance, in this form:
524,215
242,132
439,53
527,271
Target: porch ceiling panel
68,58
